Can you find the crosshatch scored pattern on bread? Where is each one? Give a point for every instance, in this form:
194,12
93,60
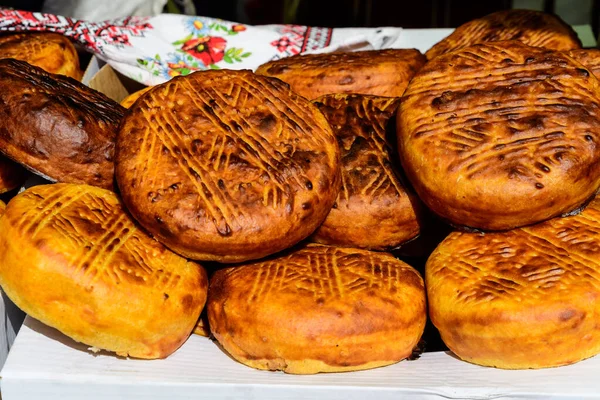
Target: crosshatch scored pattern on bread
313,215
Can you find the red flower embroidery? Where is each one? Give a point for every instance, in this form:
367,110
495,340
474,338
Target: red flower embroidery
208,49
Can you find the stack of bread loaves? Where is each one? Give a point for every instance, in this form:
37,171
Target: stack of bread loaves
297,182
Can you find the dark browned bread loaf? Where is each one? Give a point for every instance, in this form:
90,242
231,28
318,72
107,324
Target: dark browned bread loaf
56,126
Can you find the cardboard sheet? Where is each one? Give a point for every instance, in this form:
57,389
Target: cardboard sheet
46,364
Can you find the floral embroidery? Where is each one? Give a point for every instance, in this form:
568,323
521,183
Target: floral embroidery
233,30
204,48
197,26
208,49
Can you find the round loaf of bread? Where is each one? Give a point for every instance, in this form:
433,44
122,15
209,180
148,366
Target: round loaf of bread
128,101
71,257
533,28
374,72
590,58
374,209
52,52
318,309
12,175
227,165
525,298
501,135
56,126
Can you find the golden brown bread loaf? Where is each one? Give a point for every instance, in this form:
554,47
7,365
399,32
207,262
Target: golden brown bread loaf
51,52
533,28
374,72
227,165
501,135
12,175
525,298
590,58
57,127
128,101
318,309
72,257
374,209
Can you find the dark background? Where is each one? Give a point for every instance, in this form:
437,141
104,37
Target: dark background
335,13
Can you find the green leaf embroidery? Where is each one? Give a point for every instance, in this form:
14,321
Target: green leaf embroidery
157,57
182,41
213,66
227,59
185,71
248,54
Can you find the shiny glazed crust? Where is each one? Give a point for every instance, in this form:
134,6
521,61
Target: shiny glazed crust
375,72
533,28
128,101
373,209
590,58
318,309
227,165
56,126
525,298
71,257
51,52
501,135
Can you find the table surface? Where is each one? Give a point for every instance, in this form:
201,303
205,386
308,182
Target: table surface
45,363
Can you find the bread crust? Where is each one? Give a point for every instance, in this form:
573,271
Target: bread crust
526,298
71,257
533,28
227,165
318,309
52,52
374,210
56,126
373,72
128,101
590,58
501,135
